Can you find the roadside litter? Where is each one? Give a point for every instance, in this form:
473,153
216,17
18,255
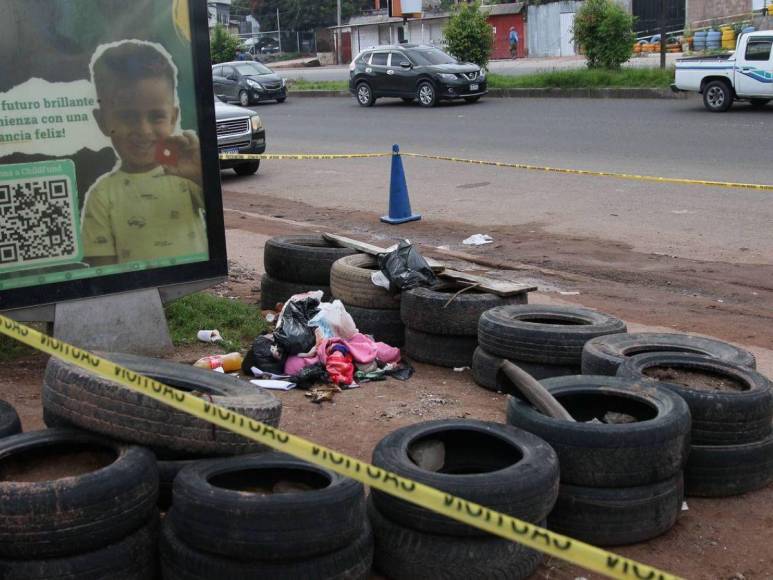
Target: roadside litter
478,240
211,336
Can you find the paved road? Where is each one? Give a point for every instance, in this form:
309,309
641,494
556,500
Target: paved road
504,67
655,137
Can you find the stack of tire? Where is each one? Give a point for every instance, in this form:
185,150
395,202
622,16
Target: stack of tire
374,310
76,506
9,420
494,465
267,516
297,264
621,461
441,324
545,341
73,397
732,409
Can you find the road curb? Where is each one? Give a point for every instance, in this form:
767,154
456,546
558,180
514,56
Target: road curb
611,93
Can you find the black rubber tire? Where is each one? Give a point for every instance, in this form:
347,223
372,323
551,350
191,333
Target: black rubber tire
132,557
603,355
281,100
74,514
9,420
351,284
608,455
181,562
273,291
283,526
486,373
727,96
302,259
605,516
409,554
364,100
383,325
432,101
726,470
718,417
96,404
167,471
425,309
507,332
442,350
250,168
244,99
494,465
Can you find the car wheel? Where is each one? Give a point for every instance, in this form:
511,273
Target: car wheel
717,96
426,94
247,168
759,103
365,95
244,99
472,99
281,100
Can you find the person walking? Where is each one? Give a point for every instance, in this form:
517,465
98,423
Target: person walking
513,37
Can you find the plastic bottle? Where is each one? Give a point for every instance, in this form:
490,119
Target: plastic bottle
228,362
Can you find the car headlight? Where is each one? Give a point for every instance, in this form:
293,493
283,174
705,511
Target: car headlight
256,122
447,76
254,84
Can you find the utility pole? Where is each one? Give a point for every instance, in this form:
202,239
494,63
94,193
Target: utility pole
338,33
278,30
663,20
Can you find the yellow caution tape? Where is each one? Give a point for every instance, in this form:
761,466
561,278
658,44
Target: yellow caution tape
576,552
545,168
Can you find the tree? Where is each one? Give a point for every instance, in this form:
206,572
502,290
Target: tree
223,45
469,35
604,31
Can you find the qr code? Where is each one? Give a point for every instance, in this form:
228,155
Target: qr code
39,224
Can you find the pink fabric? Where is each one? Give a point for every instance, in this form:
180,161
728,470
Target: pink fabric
295,364
364,350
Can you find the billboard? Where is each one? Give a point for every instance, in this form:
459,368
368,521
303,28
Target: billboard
109,178
405,8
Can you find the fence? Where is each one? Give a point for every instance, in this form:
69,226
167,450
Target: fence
271,44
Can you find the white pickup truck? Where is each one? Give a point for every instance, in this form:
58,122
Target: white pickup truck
744,75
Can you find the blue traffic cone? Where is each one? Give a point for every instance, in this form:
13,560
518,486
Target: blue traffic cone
399,204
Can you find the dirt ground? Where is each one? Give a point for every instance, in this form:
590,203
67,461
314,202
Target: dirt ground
728,538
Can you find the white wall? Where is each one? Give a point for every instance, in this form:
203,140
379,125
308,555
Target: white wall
544,27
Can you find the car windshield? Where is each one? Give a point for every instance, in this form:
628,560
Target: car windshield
431,56
252,68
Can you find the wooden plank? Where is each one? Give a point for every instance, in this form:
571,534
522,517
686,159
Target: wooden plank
533,390
373,250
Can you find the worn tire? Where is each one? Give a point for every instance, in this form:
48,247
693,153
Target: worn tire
440,349
43,518
285,526
9,420
383,325
486,373
167,471
96,404
301,259
273,291
718,418
408,554
609,455
425,309
498,466
350,283
132,557
552,335
725,470
605,516
603,355
181,562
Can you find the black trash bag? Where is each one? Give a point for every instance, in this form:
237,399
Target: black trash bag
406,268
308,376
266,355
294,335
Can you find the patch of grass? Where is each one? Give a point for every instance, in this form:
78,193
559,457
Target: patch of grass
586,78
304,85
239,323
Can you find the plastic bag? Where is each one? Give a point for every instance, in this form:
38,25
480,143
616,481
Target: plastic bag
293,333
406,268
334,321
264,354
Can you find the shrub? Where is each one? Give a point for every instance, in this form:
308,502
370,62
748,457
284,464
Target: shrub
469,35
223,45
605,32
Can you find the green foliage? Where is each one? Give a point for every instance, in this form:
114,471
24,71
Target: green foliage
604,31
223,45
238,323
304,85
469,35
585,79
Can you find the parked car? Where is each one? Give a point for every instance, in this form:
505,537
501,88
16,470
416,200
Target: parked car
413,72
246,82
239,131
745,75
